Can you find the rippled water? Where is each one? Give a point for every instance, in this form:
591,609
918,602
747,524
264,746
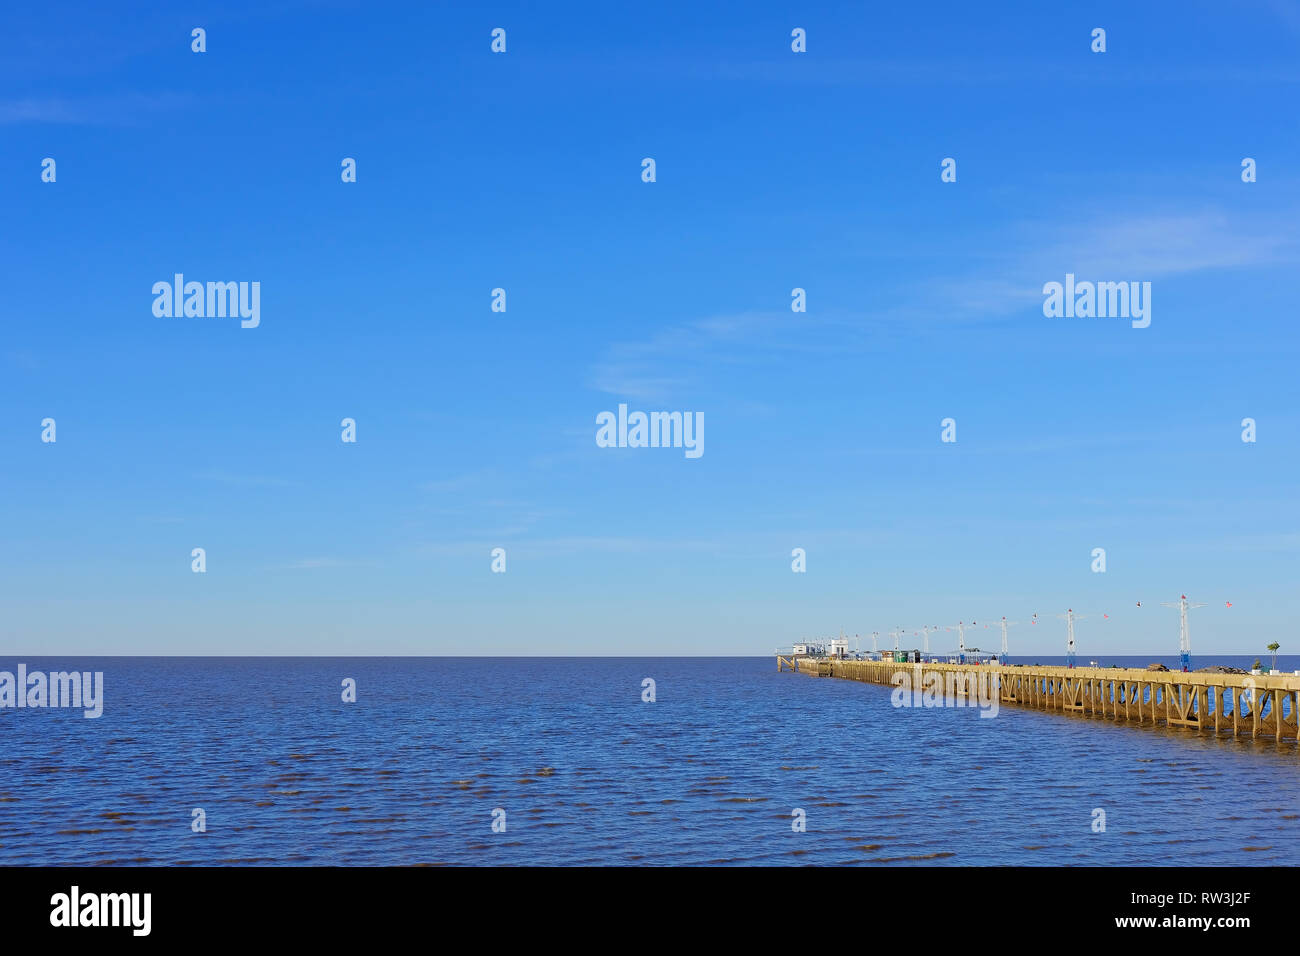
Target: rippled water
588,773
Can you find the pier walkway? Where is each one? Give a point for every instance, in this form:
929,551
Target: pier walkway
1258,705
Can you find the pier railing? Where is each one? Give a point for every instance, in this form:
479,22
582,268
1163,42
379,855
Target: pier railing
1254,705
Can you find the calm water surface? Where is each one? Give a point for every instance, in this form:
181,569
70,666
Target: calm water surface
587,773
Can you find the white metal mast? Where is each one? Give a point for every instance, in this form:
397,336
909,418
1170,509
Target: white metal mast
1069,639
1184,636
1005,624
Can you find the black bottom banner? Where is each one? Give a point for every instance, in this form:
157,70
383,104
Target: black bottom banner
335,905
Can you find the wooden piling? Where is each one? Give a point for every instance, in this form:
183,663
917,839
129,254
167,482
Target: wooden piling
1172,698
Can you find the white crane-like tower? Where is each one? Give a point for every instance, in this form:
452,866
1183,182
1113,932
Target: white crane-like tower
1002,659
961,642
1184,636
1069,635
926,631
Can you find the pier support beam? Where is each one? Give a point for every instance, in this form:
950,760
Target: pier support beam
1271,702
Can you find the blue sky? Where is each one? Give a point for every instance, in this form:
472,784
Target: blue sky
476,429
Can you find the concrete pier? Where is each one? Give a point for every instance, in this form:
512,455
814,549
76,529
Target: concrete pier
1258,705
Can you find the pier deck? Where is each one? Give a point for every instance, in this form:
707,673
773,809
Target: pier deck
1254,705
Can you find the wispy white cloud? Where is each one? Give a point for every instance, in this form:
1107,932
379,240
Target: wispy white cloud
1154,246
246,481
456,483
308,564
676,356
540,548
1003,277
1277,542
1135,248
114,109
881,70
